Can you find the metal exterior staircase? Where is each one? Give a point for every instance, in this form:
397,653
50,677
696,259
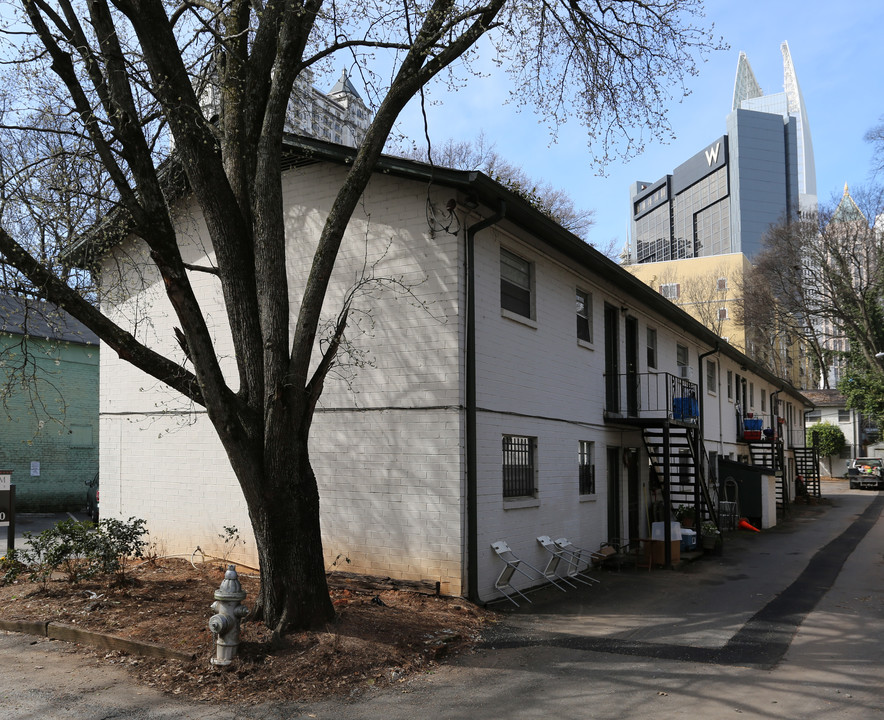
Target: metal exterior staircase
687,460
807,465
769,454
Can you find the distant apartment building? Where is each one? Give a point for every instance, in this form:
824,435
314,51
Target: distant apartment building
339,116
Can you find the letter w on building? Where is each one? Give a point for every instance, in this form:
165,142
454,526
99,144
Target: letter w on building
712,154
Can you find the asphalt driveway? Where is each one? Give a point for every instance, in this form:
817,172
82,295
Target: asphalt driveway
788,623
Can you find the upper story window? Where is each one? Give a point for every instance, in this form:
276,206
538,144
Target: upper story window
722,284
730,384
763,401
722,313
844,416
515,283
584,316
711,383
681,355
652,348
670,291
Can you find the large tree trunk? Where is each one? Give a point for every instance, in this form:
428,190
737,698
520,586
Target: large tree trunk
282,497
294,591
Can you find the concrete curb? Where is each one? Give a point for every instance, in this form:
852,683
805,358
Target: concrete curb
74,634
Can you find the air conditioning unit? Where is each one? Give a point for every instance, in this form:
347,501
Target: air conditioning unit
686,372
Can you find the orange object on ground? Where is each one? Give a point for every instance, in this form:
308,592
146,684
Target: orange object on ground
744,525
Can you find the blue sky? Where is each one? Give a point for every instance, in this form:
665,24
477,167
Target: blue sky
837,53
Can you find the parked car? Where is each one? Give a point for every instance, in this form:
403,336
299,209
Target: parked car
92,498
866,473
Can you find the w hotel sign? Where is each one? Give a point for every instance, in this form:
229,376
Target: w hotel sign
708,160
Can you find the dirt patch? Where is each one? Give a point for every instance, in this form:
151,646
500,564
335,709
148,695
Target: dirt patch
378,637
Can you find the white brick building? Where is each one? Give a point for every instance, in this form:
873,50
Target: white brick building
408,450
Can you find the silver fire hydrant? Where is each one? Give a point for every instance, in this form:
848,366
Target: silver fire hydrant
225,624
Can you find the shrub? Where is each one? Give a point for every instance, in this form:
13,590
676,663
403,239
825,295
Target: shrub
74,549
10,567
79,550
67,547
831,438
115,542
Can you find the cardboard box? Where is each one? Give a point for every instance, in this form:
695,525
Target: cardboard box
658,551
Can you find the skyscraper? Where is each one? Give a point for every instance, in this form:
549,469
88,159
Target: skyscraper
724,198
696,230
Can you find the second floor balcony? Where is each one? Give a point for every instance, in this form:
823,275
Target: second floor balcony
651,397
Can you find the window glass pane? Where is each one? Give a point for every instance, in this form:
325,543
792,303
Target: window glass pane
515,270
652,348
586,467
515,283
681,355
584,316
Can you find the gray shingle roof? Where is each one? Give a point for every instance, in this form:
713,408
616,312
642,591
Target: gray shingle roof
37,318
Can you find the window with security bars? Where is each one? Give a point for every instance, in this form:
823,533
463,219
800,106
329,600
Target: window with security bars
586,467
515,283
518,466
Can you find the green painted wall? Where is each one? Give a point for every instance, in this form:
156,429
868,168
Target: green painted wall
48,420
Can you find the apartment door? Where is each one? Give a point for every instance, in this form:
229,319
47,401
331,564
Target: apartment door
632,377
633,492
612,359
615,509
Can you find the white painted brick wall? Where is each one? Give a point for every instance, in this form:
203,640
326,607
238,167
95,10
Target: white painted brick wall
390,470
388,448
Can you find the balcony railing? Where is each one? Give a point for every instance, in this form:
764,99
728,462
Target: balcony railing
652,396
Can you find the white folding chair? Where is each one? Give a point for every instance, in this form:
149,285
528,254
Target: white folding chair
577,556
555,559
512,565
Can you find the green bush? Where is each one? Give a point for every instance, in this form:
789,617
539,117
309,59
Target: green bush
831,440
80,550
10,567
117,540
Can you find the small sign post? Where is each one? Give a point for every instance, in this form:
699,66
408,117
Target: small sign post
7,507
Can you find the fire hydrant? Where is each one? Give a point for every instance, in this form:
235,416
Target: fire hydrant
225,624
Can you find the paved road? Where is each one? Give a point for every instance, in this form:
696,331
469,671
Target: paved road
786,624
34,523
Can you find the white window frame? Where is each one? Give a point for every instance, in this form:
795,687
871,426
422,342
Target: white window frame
586,463
586,317
711,377
519,284
670,291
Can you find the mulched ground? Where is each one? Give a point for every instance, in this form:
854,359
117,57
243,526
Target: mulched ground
378,638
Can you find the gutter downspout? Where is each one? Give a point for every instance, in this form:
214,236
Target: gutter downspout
471,432
701,429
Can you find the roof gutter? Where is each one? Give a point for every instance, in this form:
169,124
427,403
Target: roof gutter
471,431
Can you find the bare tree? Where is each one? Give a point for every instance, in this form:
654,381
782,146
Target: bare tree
821,277
875,136
134,71
480,154
709,295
